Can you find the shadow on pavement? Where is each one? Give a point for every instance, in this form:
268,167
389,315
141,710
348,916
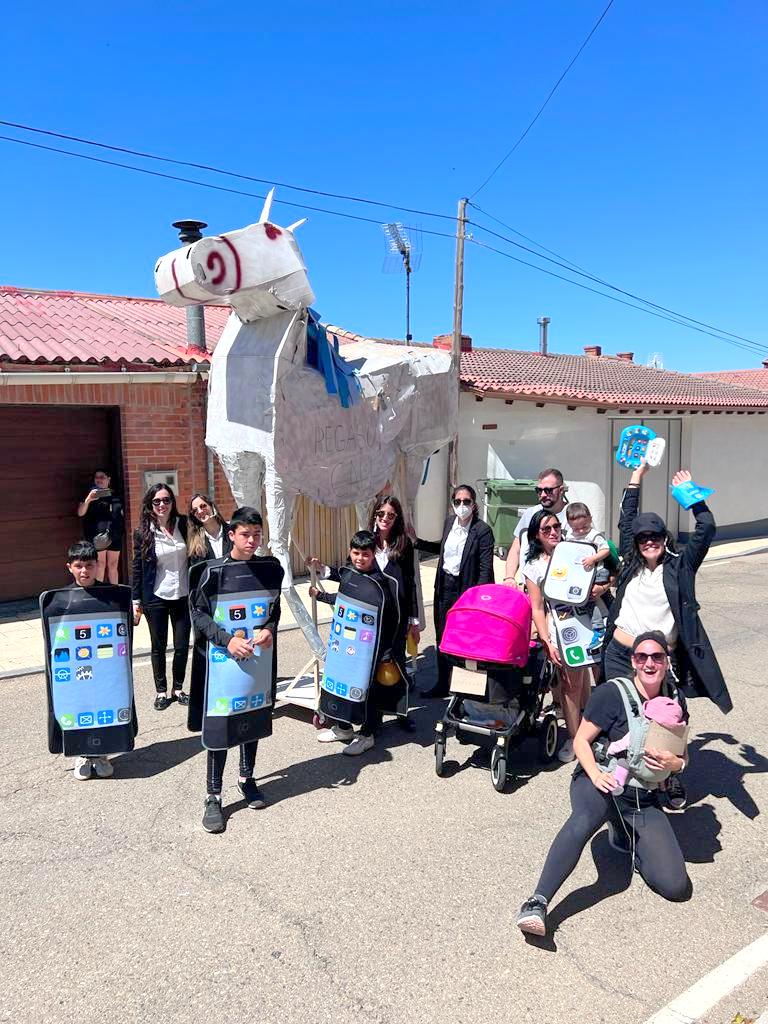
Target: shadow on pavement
697,831
712,773
145,762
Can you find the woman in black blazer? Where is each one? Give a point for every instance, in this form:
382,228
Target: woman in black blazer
208,531
466,560
161,587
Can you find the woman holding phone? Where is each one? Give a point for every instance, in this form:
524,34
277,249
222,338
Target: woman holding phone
104,524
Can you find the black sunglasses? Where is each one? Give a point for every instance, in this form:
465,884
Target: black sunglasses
643,538
157,502
658,657
462,501
546,490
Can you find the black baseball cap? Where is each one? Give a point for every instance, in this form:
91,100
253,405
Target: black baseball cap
652,634
648,522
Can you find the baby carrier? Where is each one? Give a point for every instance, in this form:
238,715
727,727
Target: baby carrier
499,681
638,725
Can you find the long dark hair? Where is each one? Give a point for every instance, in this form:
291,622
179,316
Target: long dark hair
149,519
196,532
535,547
397,541
637,563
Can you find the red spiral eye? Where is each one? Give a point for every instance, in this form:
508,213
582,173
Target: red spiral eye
272,232
215,262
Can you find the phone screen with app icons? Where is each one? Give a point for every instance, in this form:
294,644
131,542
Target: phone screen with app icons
235,685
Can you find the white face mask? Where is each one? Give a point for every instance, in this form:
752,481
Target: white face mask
462,511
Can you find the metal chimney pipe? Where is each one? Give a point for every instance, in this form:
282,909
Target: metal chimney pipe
192,231
543,322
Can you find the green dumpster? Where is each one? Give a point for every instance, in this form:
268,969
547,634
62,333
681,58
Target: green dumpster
505,502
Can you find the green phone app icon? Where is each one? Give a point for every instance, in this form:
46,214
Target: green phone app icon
218,615
67,721
222,704
62,633
575,655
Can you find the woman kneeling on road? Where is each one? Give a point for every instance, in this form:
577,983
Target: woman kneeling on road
641,828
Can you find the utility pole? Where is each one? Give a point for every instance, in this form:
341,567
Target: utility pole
458,312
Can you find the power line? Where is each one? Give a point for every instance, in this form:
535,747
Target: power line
219,170
613,298
540,111
622,291
208,184
674,318
533,241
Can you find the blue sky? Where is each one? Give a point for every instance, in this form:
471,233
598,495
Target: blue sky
648,167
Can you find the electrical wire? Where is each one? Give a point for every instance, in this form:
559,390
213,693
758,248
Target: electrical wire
673,318
613,298
540,111
208,184
622,291
219,170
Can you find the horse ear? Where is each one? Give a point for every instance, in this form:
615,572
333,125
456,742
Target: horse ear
267,207
296,224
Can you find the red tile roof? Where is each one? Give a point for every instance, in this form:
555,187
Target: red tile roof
598,380
744,378
76,328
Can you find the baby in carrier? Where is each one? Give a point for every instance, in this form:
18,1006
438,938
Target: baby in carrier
661,725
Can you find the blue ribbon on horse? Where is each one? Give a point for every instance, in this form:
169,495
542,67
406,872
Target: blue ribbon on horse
323,354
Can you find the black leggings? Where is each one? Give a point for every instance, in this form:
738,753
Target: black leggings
449,595
218,758
158,612
658,855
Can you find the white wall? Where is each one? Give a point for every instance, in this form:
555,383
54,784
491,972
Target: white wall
730,453
727,452
528,439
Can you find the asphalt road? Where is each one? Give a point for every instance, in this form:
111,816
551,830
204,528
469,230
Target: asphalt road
369,890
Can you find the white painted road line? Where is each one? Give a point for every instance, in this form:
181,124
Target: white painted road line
706,993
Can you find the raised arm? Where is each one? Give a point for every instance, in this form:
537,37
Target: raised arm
695,550
630,507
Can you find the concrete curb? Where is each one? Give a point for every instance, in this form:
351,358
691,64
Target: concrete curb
144,652
736,554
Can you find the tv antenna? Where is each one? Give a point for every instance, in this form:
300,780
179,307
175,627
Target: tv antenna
403,250
656,361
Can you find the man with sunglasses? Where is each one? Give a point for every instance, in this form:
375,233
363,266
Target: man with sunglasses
550,490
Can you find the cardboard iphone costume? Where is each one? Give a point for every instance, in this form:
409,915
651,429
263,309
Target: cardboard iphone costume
360,634
567,587
239,694
88,638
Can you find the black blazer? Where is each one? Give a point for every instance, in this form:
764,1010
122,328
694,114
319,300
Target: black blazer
698,670
476,561
144,570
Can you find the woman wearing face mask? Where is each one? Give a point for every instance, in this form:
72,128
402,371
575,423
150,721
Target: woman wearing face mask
161,588
638,825
657,591
208,532
466,560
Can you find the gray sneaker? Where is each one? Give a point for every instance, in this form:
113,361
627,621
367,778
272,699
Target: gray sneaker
675,792
532,918
213,819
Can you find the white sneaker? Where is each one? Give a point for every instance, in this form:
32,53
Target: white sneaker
565,753
82,770
334,734
359,745
103,767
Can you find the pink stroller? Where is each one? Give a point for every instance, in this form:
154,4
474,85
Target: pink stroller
505,675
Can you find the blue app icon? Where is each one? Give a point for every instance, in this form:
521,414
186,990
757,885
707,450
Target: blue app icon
104,630
259,610
341,689
239,703
352,615
254,701
329,684
85,719
62,675
337,627
105,717
218,655
83,653
259,699
61,654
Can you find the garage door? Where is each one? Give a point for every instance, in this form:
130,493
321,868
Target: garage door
47,458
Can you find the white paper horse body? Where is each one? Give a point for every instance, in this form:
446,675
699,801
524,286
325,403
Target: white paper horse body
271,419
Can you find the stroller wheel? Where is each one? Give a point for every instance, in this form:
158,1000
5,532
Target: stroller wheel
548,738
439,755
498,769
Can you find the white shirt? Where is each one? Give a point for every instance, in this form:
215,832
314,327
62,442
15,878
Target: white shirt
171,579
217,542
645,606
455,543
382,556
